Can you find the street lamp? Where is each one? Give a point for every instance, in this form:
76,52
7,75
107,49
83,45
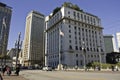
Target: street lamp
84,54
17,47
99,56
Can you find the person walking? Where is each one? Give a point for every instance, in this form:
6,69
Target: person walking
4,69
17,70
1,78
8,71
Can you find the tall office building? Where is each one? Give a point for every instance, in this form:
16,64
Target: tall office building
109,42
33,40
73,37
118,40
5,18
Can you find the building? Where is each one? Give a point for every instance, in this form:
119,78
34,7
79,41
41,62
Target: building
73,37
109,42
12,53
118,40
33,45
5,19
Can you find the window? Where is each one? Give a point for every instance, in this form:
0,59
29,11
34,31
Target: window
70,41
81,17
77,62
69,36
69,26
75,32
80,48
91,56
76,47
68,12
74,13
70,47
76,55
75,27
69,31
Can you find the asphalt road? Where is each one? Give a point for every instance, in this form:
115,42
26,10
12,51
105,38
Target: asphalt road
69,75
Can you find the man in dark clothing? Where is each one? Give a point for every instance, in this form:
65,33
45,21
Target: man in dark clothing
4,69
17,70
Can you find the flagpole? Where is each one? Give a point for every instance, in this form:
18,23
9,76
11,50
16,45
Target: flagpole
59,51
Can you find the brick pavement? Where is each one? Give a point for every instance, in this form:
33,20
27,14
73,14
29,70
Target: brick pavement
13,77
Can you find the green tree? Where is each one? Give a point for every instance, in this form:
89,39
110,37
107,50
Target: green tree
118,64
56,10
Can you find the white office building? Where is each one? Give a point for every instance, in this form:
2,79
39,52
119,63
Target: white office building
110,44
73,38
118,40
33,47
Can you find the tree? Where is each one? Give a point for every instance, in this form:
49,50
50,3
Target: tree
72,6
56,10
118,64
89,65
4,57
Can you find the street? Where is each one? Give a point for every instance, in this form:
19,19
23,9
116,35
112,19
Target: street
69,75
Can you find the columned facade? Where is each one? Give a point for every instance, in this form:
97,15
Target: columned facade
74,37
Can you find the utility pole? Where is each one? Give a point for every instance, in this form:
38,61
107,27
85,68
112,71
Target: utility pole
18,45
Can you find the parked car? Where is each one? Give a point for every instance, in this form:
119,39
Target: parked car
47,68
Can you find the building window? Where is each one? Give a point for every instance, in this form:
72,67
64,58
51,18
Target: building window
70,47
69,31
74,14
80,48
75,27
68,12
77,62
69,36
69,26
75,33
78,15
76,47
76,55
81,16
69,41
91,56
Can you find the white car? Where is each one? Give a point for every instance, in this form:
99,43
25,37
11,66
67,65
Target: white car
47,68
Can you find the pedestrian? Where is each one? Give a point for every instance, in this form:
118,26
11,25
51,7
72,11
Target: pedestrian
1,78
4,69
8,71
112,68
17,70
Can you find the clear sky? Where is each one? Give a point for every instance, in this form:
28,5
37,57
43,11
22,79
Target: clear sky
107,10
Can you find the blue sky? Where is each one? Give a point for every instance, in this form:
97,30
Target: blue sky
107,10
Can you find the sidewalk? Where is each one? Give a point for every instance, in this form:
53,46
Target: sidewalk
13,77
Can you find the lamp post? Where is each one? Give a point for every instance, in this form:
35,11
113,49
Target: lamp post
99,57
61,34
84,55
17,47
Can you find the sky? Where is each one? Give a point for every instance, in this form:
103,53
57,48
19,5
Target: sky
107,10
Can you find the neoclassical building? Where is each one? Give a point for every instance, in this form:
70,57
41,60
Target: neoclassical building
73,37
